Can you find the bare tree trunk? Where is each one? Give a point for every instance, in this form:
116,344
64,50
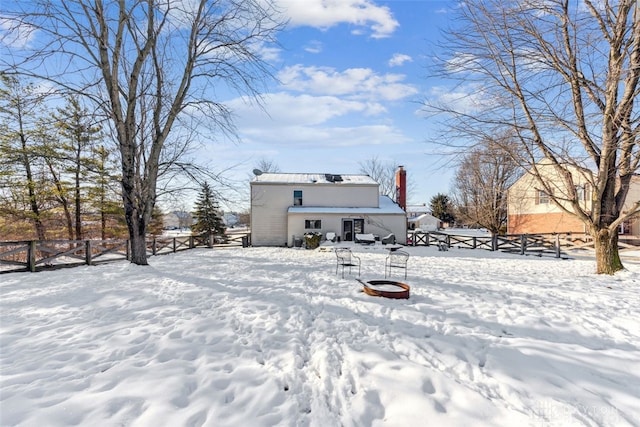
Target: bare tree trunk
62,199
36,212
607,255
31,188
78,202
103,225
137,234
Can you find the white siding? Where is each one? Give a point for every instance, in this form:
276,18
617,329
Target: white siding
268,217
270,202
334,195
633,197
381,225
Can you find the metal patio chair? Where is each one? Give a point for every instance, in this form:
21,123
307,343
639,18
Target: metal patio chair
396,259
345,258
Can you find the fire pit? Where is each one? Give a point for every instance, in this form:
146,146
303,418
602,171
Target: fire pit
386,289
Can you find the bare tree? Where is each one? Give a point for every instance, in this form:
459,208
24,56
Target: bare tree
147,64
563,75
265,165
482,179
383,173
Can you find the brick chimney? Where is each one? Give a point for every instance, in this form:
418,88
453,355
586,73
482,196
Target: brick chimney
401,187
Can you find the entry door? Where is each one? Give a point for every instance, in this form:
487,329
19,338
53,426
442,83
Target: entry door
347,230
351,227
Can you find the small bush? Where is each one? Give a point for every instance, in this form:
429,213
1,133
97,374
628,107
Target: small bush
312,240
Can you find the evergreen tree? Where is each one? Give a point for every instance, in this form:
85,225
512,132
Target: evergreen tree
441,208
207,213
78,133
157,221
24,184
104,194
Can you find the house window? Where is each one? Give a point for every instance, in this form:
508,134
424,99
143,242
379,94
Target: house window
312,224
587,192
625,228
542,198
583,192
297,197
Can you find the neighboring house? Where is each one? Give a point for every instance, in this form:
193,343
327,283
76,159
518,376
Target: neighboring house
285,206
230,219
171,221
177,220
414,211
531,211
425,222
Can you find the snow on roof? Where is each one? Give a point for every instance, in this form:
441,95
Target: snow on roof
423,217
312,178
387,206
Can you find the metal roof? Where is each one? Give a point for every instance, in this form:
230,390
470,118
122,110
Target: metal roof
313,178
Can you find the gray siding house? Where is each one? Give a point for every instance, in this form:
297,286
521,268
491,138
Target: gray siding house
285,206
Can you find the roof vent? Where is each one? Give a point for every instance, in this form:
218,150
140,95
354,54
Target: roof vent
333,178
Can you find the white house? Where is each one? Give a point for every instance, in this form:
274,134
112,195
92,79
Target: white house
285,206
425,222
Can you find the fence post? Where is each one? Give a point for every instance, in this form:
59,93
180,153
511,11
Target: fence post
87,253
31,256
523,244
174,244
153,246
474,242
448,241
128,250
494,242
557,246
191,244
210,240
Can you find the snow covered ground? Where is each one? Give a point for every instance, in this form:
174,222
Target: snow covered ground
273,337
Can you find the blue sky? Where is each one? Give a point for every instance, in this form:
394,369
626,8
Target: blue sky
352,75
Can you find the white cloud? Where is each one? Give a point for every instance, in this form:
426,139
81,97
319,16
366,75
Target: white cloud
356,83
305,120
15,34
314,46
326,137
327,13
284,109
269,53
399,59
465,99
462,62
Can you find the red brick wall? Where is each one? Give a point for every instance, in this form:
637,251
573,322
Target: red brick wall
544,223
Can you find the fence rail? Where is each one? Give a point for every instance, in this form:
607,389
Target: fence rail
549,244
36,255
